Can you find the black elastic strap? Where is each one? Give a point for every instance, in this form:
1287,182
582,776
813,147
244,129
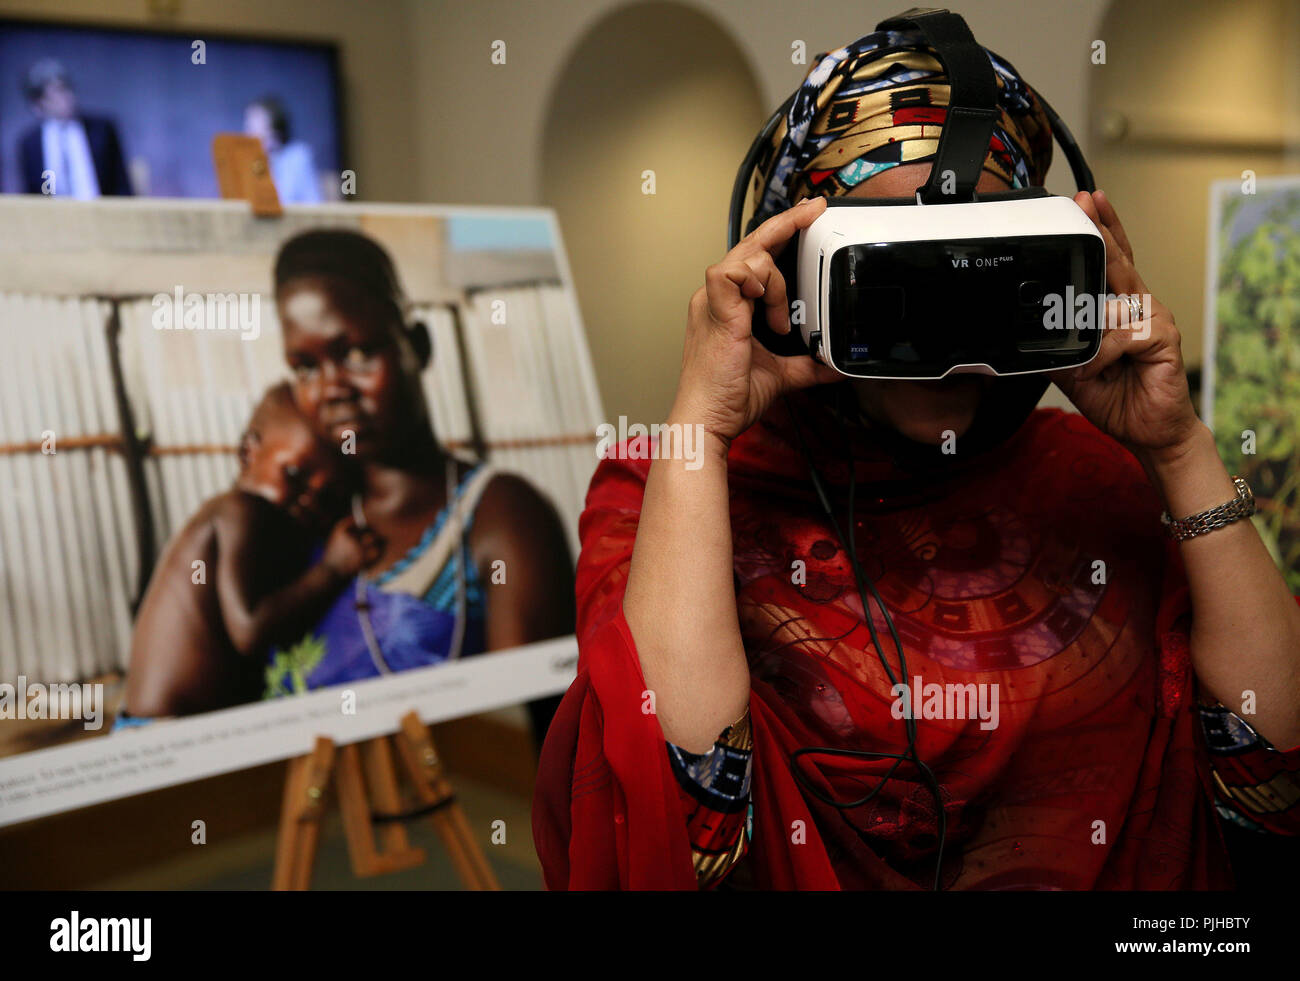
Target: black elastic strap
972,105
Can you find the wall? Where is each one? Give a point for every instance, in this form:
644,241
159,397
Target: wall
1193,91
655,92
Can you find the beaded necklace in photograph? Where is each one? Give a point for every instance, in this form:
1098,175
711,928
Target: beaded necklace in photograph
363,605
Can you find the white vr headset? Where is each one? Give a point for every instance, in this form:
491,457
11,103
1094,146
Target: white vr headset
949,281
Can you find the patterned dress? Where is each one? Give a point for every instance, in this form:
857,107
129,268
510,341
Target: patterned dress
1036,573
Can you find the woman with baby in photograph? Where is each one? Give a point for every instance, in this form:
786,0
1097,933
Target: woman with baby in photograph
404,579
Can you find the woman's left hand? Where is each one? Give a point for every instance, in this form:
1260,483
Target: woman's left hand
1135,389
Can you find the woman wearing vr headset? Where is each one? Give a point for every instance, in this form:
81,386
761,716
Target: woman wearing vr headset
899,635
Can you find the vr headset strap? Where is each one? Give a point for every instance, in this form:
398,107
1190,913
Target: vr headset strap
972,106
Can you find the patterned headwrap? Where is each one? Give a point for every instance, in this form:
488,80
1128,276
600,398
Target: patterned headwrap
880,102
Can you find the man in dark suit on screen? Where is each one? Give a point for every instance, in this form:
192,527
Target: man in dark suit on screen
68,153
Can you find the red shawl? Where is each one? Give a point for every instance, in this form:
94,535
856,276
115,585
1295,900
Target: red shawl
1039,566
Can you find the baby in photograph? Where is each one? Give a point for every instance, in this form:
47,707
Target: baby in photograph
215,605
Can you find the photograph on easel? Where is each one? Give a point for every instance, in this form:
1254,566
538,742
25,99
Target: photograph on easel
265,478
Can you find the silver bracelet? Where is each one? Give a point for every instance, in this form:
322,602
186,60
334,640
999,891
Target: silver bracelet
1241,506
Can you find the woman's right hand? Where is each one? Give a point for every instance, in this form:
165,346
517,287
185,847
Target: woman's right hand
728,378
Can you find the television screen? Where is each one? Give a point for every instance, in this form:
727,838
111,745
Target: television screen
88,111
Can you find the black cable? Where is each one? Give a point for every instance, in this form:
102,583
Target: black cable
1079,168
865,584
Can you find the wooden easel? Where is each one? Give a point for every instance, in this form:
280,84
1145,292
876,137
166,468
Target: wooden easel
368,766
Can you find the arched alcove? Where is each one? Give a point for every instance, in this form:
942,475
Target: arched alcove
662,87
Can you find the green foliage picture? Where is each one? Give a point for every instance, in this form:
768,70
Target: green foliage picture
287,673
1254,336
